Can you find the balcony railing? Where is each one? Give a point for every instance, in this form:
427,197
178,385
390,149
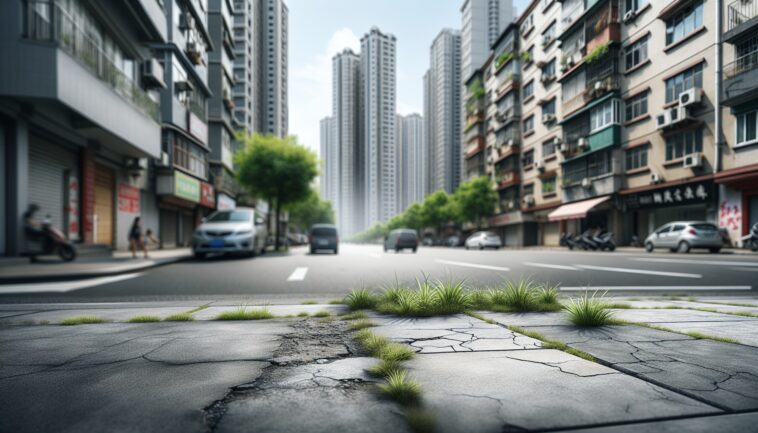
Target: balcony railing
743,64
47,21
740,12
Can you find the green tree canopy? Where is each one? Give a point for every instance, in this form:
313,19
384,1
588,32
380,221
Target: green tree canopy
436,210
312,210
276,169
474,201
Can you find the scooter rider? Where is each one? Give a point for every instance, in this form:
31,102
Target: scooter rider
32,228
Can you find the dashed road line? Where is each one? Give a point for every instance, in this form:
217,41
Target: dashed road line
550,266
666,288
298,274
697,262
640,271
65,286
473,265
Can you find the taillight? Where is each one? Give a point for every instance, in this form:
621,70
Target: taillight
692,232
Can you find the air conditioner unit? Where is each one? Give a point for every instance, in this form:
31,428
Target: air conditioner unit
586,182
540,63
193,47
511,204
563,148
186,21
655,178
557,141
152,74
184,86
678,114
511,142
568,20
629,15
663,120
547,118
163,161
529,200
583,143
690,97
540,165
693,160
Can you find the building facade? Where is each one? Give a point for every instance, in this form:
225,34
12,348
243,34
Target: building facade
412,160
329,178
379,101
272,57
481,24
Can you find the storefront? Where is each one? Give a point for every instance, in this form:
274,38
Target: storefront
511,227
738,204
648,208
184,200
579,216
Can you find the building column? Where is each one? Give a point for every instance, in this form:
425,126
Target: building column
15,137
88,194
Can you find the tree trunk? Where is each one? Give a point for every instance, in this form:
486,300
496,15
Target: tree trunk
278,213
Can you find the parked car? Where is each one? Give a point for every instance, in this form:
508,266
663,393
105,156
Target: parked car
240,231
682,236
324,237
484,240
453,241
401,239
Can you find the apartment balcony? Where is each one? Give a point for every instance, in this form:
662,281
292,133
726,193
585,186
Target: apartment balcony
594,187
740,77
507,116
506,151
474,147
601,86
507,179
58,60
223,181
741,19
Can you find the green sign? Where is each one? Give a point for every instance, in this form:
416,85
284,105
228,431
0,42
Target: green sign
186,187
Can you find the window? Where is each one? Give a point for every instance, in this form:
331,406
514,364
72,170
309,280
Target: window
636,53
636,158
684,143
549,69
529,189
746,128
528,158
528,90
549,107
684,22
529,124
573,87
634,5
598,164
548,185
686,80
636,106
528,24
604,115
548,148
549,34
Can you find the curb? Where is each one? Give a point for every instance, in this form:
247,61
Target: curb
88,275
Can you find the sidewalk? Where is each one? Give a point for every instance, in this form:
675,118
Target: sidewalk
19,270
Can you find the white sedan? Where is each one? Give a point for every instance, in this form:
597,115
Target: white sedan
484,240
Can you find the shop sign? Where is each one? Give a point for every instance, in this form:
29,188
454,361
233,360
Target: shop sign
508,218
72,207
128,199
197,127
207,195
678,195
224,202
186,187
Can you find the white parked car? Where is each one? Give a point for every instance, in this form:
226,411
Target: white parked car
240,231
484,240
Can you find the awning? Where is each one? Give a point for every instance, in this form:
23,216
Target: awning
576,210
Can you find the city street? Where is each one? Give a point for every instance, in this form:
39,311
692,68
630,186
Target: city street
298,275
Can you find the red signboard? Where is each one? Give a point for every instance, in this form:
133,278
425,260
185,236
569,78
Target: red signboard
207,195
128,199
88,194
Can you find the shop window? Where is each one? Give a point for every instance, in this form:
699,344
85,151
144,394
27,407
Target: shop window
636,107
688,79
685,22
636,158
747,125
636,53
684,143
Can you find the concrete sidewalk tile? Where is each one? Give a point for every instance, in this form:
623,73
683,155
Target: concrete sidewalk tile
539,389
660,316
731,423
744,332
527,319
109,314
278,310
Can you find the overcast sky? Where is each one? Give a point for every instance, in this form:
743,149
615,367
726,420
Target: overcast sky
318,29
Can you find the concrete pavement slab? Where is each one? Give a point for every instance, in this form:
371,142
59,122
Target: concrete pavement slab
659,316
527,319
688,304
722,374
728,423
277,310
744,332
537,389
458,333
108,314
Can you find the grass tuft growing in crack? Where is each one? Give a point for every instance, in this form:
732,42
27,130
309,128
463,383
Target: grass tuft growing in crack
180,317
394,352
370,341
695,335
360,299
384,368
361,324
322,313
354,315
400,388
701,336
144,319
302,314
309,303
242,313
82,320
553,344
520,296
482,318
589,310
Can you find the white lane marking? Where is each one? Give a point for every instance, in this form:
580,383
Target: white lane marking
473,265
549,266
64,286
635,288
698,262
298,274
375,256
745,269
640,271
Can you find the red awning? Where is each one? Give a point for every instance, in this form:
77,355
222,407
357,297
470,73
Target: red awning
576,210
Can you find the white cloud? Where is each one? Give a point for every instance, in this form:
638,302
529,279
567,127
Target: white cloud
310,88
406,109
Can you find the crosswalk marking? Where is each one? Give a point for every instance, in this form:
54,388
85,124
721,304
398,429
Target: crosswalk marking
65,286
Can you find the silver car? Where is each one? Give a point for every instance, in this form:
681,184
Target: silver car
239,230
484,240
682,236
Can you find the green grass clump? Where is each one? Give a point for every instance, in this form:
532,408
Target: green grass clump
82,320
373,343
701,336
553,344
385,368
360,299
242,313
354,315
394,352
144,319
521,296
322,313
336,302
361,324
309,303
180,317
619,306
589,310
420,420
302,314
427,299
400,388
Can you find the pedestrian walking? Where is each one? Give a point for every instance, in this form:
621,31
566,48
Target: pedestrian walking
136,238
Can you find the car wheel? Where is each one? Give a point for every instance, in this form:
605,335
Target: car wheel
649,247
199,256
336,251
684,247
481,247
715,250
67,252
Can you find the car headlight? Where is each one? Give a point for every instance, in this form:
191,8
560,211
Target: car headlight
244,232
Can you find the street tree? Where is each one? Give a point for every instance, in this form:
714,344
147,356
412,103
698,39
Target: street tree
436,210
312,210
474,201
277,169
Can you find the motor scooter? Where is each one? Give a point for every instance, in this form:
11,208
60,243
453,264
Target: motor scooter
605,241
587,241
751,240
568,240
52,241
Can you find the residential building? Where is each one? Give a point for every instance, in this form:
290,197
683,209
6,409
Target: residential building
270,51
412,160
426,171
221,121
346,141
378,102
445,111
481,24
476,123
329,178
246,89
79,117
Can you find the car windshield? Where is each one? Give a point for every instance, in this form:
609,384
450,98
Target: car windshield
407,236
490,235
705,227
324,231
230,216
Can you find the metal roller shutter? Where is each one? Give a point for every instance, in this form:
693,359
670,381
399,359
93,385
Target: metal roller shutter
48,164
